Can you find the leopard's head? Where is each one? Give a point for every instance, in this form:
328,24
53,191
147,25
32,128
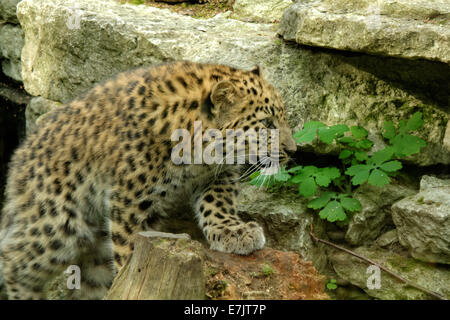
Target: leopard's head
250,105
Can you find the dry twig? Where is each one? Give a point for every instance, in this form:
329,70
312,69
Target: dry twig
392,273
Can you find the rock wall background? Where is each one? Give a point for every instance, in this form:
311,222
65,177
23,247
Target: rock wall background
70,46
352,62
13,99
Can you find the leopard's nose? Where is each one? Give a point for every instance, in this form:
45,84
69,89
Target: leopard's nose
290,146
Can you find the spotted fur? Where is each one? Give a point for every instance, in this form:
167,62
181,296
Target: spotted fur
99,170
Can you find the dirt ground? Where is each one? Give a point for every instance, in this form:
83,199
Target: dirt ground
265,274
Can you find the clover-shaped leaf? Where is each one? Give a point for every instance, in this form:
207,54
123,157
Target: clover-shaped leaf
359,172
345,154
359,132
404,143
321,201
282,175
407,144
349,204
309,131
307,187
389,130
325,133
376,169
378,178
415,122
310,176
328,134
361,156
334,205
333,211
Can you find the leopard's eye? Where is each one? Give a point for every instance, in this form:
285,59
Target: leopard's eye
268,123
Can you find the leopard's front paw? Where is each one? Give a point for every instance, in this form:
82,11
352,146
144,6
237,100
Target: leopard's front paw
241,239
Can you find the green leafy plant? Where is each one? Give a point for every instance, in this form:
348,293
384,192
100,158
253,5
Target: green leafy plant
403,142
267,270
332,284
330,188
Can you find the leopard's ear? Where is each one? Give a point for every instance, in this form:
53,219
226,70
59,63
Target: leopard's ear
223,95
256,70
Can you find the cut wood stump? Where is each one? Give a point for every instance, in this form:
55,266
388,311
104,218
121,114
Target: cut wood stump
171,266
163,266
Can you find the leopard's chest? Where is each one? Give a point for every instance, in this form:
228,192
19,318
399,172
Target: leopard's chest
186,185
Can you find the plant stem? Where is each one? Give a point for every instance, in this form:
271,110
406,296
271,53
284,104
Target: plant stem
342,189
348,185
392,273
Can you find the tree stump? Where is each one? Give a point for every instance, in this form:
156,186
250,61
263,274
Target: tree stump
163,266
170,266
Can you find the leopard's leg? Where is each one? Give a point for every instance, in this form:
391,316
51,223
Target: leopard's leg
33,254
216,212
23,280
97,271
128,217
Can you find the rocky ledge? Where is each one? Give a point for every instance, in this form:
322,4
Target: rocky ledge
423,221
413,29
71,46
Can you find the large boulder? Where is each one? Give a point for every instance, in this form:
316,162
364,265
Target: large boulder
375,216
446,141
36,110
11,44
261,10
423,221
432,182
286,221
413,29
8,10
434,278
69,47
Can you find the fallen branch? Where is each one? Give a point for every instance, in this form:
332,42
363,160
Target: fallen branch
392,273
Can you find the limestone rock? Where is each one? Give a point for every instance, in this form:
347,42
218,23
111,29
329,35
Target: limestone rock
71,46
11,41
12,69
428,182
11,44
434,278
8,10
261,10
423,223
387,239
375,215
446,141
286,221
413,29
36,110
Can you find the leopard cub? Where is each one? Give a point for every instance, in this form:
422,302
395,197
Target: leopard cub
99,170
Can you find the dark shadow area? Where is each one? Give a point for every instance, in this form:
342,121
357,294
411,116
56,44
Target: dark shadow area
409,173
13,101
428,81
